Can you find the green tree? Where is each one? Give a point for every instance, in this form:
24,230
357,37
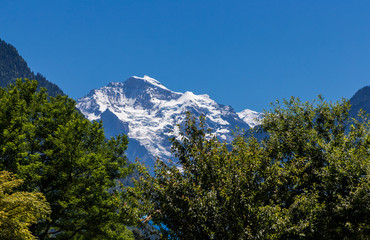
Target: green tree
323,160
309,179
18,210
55,150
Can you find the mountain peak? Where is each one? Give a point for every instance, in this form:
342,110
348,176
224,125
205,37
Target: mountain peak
146,110
147,80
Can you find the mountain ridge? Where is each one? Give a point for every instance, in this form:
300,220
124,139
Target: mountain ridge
146,110
13,66
360,100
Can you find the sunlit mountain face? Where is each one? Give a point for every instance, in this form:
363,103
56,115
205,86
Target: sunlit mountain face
148,113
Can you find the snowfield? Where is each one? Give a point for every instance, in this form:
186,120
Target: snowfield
146,111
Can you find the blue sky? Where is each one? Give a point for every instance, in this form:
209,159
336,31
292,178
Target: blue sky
242,53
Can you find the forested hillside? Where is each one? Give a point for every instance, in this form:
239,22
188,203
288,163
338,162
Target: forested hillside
13,66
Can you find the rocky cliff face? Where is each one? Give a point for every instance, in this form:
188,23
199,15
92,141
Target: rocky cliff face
146,111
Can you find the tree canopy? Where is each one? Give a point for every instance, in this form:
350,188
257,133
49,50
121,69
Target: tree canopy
18,210
309,179
47,143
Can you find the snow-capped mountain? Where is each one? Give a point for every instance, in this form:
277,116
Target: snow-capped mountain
252,118
146,111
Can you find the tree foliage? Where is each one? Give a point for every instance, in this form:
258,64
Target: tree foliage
309,179
18,210
56,151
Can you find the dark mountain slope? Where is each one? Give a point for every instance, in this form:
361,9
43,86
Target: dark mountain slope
361,100
13,66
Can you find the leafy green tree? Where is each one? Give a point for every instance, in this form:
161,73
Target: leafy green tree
309,179
18,210
323,160
56,151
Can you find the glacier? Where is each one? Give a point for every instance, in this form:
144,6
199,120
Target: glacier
146,111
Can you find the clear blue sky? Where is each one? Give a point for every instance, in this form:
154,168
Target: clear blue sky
242,53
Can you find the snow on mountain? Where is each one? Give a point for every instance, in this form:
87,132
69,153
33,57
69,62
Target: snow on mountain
252,118
146,111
